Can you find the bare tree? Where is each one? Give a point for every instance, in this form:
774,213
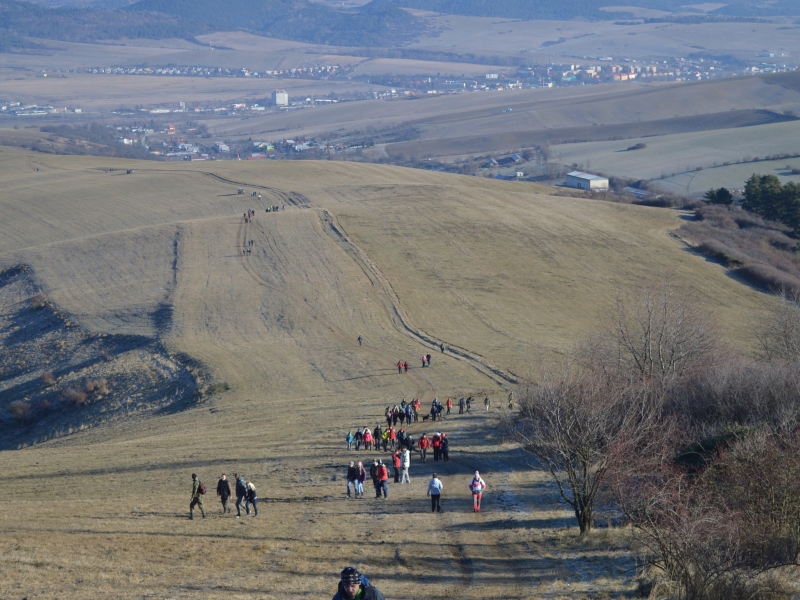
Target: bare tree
657,332
779,331
576,422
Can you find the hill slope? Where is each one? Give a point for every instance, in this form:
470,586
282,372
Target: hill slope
404,258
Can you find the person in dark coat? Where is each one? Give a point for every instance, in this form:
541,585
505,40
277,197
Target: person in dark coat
224,492
353,585
241,494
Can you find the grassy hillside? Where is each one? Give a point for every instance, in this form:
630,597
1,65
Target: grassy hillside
404,258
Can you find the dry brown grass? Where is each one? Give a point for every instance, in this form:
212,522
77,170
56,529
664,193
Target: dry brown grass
489,267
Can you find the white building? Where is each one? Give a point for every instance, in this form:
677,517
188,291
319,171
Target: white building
587,181
280,98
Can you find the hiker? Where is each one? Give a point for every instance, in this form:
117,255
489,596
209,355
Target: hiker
436,442
449,405
373,473
241,494
252,498
461,405
511,400
469,403
401,415
476,486
445,447
405,366
400,366
361,477
358,438
369,439
396,463
383,480
198,489
423,444
389,416
352,473
409,414
224,492
385,438
377,437
486,403
405,463
360,339
392,437
429,359
350,438
435,492
353,585
423,361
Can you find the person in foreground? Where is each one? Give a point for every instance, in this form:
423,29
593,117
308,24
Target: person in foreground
352,586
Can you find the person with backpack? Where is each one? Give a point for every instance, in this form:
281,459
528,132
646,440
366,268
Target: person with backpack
385,439
476,486
241,494
351,477
198,490
436,442
224,492
252,498
354,586
445,448
435,492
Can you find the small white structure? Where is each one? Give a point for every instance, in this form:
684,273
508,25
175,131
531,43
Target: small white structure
280,98
587,181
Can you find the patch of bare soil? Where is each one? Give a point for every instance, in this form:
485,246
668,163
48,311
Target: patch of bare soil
57,378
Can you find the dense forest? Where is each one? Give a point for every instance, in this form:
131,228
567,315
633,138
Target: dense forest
588,9
156,19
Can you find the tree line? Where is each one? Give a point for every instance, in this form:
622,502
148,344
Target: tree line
653,421
765,196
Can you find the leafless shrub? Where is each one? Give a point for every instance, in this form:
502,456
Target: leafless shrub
38,301
99,386
724,254
779,332
658,331
19,409
768,277
576,422
738,392
48,378
75,396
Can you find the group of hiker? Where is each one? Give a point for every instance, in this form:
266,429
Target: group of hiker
245,492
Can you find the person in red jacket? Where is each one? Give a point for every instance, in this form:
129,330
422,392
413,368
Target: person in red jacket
476,486
392,437
436,442
382,482
399,366
396,462
449,405
423,444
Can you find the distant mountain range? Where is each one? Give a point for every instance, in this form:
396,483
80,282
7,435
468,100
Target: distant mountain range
379,23
587,9
298,20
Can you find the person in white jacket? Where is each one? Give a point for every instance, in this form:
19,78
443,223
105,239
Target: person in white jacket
476,486
405,461
435,492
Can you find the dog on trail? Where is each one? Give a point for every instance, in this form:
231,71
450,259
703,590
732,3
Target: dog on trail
425,418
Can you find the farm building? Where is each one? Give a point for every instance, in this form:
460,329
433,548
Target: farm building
587,181
280,98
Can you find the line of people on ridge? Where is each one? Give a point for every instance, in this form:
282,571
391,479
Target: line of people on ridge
245,492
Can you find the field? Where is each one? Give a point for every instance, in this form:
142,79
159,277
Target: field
501,273
683,153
